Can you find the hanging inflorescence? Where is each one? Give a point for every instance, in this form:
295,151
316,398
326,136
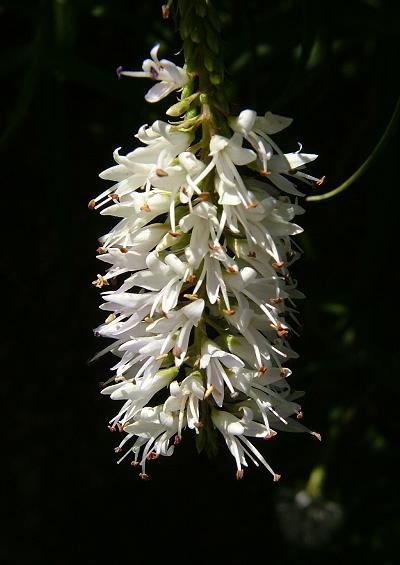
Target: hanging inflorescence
198,286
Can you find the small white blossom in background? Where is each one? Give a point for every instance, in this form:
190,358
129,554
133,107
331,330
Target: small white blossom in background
197,291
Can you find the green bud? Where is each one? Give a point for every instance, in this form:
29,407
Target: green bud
181,107
230,341
185,28
191,113
213,17
195,36
212,40
201,9
187,90
169,372
208,61
215,79
188,48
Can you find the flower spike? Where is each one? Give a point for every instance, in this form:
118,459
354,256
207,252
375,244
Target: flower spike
197,292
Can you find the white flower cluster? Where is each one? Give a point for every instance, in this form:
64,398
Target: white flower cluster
201,318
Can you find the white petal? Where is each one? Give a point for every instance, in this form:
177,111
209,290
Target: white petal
244,122
154,52
194,310
159,91
273,123
284,184
217,143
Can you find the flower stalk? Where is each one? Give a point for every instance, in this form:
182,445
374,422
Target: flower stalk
204,312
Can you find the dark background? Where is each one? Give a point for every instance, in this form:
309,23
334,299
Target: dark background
333,66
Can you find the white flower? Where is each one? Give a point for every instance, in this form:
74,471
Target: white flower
203,224
213,359
132,258
226,153
136,396
136,210
170,76
185,399
139,167
181,321
153,430
257,130
235,430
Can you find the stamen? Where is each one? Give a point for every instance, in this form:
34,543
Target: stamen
145,208
209,391
270,434
202,196
229,312
144,476
276,300
119,70
262,370
124,249
91,204
191,296
162,356
191,279
232,270
110,318
174,234
251,205
177,351
101,251
317,435
252,254
265,173
177,440
280,330
161,173
214,247
321,181
118,449
277,265
276,477
300,415
100,282
284,372
165,11
239,474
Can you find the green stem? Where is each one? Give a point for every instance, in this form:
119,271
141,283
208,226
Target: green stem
367,163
